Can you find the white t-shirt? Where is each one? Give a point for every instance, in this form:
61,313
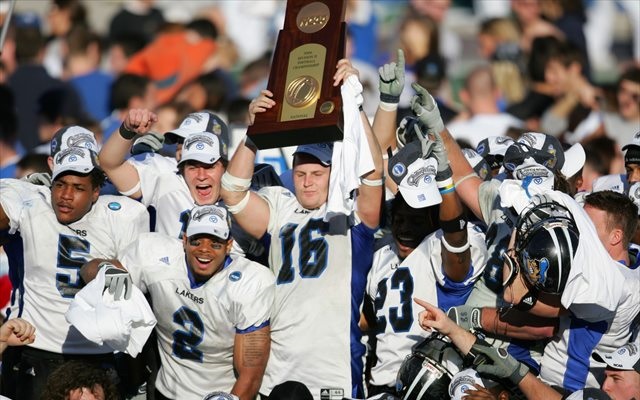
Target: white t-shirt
321,270
197,323
392,284
481,126
53,254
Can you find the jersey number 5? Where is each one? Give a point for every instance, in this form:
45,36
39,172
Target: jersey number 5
312,255
73,252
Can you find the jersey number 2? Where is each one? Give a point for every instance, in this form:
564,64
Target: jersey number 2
312,259
400,318
185,342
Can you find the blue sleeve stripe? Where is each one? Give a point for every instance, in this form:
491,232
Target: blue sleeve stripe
583,338
252,328
520,350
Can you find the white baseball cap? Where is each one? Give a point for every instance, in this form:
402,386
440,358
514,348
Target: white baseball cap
73,136
415,176
209,220
625,358
75,159
463,381
321,151
202,146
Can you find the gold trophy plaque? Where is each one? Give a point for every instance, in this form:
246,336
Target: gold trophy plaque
308,107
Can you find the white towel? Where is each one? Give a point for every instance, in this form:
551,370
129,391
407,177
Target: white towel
123,325
351,158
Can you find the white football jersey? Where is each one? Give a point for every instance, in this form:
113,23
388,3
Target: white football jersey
391,286
53,254
567,360
320,271
167,192
197,323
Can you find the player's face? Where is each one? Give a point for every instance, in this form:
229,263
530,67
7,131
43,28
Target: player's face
72,197
633,172
203,181
311,182
621,385
205,255
409,227
628,99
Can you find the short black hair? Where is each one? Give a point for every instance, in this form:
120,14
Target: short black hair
96,176
29,43
126,87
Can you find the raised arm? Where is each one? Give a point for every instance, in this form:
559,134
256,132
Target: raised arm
114,153
384,123
369,198
466,181
250,355
250,210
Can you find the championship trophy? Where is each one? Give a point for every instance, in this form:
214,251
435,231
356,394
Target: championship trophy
308,107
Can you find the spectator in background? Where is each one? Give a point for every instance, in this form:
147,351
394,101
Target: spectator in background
449,42
128,91
30,81
63,15
9,152
529,18
625,122
499,42
211,91
175,57
120,51
82,71
32,163
139,19
480,96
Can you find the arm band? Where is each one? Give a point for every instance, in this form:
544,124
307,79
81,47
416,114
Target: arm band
384,106
464,178
528,301
445,183
132,190
125,133
373,182
458,224
455,250
234,184
235,209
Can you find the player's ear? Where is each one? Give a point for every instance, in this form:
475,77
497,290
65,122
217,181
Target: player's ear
228,246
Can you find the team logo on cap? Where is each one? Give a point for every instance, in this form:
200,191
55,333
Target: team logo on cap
204,211
71,153
479,149
528,138
81,140
502,139
195,117
421,172
217,129
398,169
199,141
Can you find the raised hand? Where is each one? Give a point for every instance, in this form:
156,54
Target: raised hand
425,108
434,318
260,104
392,80
139,120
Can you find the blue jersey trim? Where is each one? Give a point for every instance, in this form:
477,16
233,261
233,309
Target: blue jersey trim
252,328
521,351
192,281
583,338
362,241
454,293
14,248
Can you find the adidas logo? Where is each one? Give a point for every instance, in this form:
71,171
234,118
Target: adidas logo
164,260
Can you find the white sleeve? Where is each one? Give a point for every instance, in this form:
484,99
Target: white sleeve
134,258
15,196
252,297
137,223
272,195
149,180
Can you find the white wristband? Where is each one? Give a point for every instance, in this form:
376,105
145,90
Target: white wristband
373,182
388,106
132,190
464,178
234,184
235,209
455,250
